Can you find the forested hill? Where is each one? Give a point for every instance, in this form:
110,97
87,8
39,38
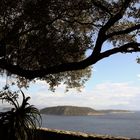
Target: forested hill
68,110
76,111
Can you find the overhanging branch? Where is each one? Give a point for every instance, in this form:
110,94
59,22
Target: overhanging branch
127,48
102,33
118,16
122,32
101,6
31,74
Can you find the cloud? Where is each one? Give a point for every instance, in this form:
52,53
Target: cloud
118,95
138,76
102,96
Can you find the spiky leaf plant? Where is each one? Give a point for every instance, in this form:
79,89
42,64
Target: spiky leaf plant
21,122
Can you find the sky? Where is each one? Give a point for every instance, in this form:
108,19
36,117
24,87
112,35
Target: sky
114,84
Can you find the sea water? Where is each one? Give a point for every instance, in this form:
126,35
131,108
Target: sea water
119,124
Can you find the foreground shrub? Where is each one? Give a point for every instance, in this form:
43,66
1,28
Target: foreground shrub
21,122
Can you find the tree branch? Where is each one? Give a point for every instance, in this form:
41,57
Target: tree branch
102,7
102,33
126,31
127,48
31,74
118,16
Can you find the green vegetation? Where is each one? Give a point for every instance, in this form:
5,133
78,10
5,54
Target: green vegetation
67,110
20,123
77,111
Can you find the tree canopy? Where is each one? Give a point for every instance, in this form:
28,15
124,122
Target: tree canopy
48,40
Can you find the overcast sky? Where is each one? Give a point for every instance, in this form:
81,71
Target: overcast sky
115,84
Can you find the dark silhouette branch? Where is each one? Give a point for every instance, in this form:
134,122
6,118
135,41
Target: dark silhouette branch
31,74
99,5
102,33
122,32
118,16
127,48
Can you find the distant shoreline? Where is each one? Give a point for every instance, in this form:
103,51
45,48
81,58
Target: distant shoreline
79,111
123,112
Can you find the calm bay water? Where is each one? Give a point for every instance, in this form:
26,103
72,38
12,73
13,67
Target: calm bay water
127,124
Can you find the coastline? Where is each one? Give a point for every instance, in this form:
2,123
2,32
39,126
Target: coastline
79,111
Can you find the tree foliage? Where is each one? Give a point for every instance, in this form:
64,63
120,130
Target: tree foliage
48,40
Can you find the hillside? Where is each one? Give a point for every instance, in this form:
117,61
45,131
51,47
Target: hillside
78,111
69,111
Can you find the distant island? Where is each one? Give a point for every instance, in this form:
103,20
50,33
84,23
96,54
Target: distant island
78,111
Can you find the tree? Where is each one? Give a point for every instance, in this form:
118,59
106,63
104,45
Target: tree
48,40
